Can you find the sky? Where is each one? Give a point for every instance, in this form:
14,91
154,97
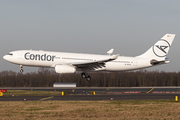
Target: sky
131,27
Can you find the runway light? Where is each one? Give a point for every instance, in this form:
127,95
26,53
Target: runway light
111,98
24,99
62,93
176,98
73,90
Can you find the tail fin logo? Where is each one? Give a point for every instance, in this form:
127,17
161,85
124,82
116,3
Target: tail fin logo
161,48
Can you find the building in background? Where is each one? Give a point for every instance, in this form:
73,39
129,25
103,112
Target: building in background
64,84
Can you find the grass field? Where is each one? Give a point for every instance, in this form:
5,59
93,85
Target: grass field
31,92
90,110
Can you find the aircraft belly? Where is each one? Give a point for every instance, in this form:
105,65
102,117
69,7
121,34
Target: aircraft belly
117,67
112,66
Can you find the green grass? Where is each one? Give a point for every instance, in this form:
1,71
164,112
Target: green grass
100,110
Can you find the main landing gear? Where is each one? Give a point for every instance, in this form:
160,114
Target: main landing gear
21,69
84,75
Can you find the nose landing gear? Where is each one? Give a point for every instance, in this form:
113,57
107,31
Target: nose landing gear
21,69
84,75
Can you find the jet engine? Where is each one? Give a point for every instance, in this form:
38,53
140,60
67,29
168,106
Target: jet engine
65,69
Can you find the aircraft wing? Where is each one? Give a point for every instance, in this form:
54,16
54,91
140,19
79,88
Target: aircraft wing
94,64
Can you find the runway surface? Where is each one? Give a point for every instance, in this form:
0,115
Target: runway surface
102,93
92,97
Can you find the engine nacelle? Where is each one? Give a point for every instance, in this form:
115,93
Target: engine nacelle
65,69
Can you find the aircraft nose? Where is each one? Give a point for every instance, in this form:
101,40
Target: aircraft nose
5,57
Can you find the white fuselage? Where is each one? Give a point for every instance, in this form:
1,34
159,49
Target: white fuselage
65,63
51,59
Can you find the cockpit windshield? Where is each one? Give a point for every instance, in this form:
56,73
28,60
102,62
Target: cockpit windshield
10,54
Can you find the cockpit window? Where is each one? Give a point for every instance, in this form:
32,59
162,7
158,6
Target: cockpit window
10,54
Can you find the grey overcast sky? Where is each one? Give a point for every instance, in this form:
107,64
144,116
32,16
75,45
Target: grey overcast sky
88,26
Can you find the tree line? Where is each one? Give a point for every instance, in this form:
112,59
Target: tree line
45,77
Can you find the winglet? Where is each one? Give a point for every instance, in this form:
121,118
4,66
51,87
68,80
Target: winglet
110,51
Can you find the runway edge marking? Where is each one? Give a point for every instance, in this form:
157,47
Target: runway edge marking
46,98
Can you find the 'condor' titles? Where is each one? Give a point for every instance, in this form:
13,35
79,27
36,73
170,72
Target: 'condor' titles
43,57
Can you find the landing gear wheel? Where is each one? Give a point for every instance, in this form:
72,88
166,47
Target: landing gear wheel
21,70
83,75
88,78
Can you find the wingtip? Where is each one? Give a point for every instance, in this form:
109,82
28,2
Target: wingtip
110,51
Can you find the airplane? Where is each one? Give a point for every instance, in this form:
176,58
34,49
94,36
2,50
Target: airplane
65,63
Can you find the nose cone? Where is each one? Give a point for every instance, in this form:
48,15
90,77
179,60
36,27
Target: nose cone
5,57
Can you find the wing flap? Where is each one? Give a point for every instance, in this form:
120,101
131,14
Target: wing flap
94,64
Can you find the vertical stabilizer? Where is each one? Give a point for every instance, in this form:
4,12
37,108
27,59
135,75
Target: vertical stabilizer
160,50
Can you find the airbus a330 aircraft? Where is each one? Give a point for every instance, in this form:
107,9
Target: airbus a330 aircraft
72,62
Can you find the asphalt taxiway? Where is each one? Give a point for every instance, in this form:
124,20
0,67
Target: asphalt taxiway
145,96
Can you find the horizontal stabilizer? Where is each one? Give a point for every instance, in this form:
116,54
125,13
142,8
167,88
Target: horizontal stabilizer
155,62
